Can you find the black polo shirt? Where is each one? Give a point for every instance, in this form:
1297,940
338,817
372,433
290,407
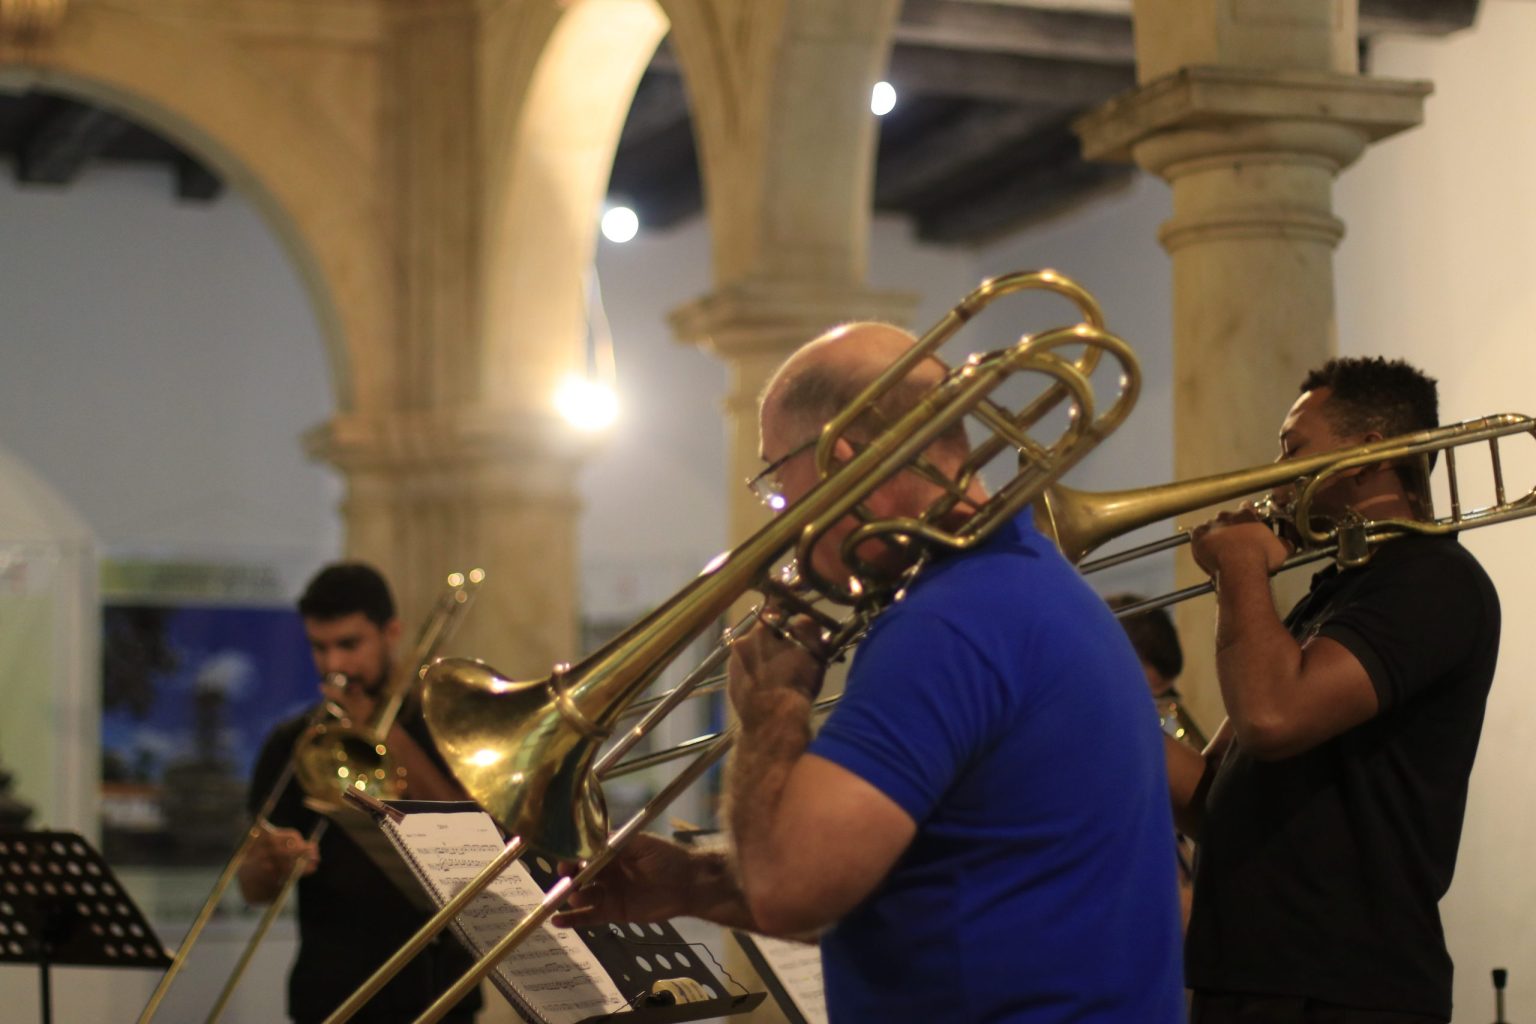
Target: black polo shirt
1320,875
351,916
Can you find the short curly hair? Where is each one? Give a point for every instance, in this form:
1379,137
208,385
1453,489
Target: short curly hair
1369,394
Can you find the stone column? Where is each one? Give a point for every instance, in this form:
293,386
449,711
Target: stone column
1249,111
431,493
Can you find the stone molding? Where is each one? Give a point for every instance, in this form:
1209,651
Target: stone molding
767,317
1212,98
518,451
26,21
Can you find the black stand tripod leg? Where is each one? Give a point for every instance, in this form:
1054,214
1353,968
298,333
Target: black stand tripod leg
46,991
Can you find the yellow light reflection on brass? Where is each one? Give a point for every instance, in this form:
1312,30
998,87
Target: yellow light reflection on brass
485,758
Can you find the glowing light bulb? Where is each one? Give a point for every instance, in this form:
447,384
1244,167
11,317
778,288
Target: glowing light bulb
620,224
883,99
588,405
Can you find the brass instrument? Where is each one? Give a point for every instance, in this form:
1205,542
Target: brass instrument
330,754
1174,717
525,751
1083,521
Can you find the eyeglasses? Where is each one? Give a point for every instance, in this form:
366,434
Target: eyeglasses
766,484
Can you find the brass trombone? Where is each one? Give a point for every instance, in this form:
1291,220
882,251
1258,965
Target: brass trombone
1080,522
330,755
527,751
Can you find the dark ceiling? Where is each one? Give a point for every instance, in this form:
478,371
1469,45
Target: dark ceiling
979,144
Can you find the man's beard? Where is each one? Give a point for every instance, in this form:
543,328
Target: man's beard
377,687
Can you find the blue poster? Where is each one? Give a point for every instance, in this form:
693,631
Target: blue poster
189,694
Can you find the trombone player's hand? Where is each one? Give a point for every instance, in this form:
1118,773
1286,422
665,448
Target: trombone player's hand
653,879
779,656
347,699
274,854
1236,540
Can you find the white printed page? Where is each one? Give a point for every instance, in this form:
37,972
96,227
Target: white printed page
553,971
798,967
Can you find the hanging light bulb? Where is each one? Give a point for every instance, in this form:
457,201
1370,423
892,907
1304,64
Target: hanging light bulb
587,404
883,99
620,224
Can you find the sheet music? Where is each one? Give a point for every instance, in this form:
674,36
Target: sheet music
798,966
554,971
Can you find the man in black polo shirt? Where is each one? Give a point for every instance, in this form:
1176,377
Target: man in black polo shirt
351,917
1329,805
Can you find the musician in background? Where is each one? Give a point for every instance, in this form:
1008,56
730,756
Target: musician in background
1329,806
1156,641
978,831
351,917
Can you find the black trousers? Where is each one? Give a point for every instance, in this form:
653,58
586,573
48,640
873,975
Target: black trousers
1227,1008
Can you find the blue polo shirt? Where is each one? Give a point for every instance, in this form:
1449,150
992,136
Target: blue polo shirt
1001,706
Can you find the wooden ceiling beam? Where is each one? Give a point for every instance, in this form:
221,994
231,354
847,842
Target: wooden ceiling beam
1021,31
1025,194
62,143
660,103
1006,78
659,175
936,159
1412,17
1416,17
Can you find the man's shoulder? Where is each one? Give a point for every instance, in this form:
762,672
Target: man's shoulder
289,729
1442,562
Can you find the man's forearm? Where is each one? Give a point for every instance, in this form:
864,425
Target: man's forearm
771,742
716,894
1257,660
1186,770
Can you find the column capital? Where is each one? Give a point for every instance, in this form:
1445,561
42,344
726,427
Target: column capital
527,453
27,21
1212,100
766,317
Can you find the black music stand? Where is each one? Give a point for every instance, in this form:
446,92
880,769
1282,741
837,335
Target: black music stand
60,904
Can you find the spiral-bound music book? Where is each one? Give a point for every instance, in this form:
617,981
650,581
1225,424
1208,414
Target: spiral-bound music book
635,973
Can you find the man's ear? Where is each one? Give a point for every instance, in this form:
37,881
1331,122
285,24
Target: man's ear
1365,473
392,630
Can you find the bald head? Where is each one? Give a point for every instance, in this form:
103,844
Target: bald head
823,376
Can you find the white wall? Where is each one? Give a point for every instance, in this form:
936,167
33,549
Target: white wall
161,360
1437,269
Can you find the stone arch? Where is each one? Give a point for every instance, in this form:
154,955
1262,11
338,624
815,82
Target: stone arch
553,164
780,97
255,128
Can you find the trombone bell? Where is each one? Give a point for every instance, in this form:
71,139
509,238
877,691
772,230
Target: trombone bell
332,757
521,751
